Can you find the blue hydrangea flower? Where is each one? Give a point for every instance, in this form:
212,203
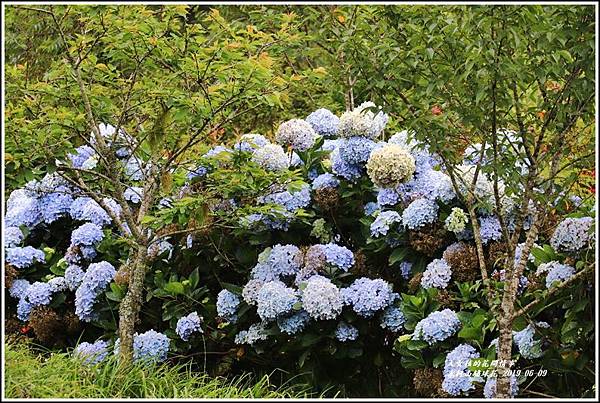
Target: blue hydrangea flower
330,145
573,234
367,296
275,299
251,141
271,157
438,326
433,185
197,172
419,213
528,347
340,167
290,201
55,204
24,309
22,208
294,323
58,284
383,221
437,274
489,229
19,288
187,325
519,251
321,298
88,234
74,276
148,347
84,158
392,318
405,269
557,272
86,209
95,280
355,150
388,197
370,208
345,332
457,376
284,260
489,389
296,133
22,257
324,122
38,294
255,333
134,194
338,256
227,304
13,236
92,353
325,180
134,168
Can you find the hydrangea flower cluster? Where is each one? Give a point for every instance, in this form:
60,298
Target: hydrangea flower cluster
438,326
227,304
88,234
456,221
271,157
457,377
325,180
296,133
13,236
97,277
362,122
18,288
573,234
387,197
148,347
55,204
346,332
293,323
30,296
434,185
290,201
528,347
86,209
134,194
74,276
419,213
489,229
356,150
437,274
424,161
392,318
555,272
367,296
390,166
85,157
254,334
188,325
22,208
22,257
383,222
405,269
341,168
321,298
337,256
92,353
324,122
275,300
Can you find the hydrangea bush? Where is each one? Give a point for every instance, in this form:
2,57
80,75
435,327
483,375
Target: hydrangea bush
330,245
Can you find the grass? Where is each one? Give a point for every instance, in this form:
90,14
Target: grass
56,375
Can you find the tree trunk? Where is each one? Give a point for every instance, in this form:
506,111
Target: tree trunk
131,304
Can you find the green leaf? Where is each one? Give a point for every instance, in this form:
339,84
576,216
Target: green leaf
174,288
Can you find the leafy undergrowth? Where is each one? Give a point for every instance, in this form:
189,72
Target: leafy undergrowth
31,374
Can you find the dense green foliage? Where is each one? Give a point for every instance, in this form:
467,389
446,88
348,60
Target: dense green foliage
182,79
